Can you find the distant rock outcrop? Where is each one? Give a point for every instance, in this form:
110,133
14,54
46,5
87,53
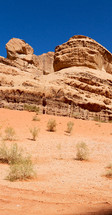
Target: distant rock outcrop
82,51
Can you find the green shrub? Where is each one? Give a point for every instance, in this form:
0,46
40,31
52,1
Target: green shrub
34,131
69,127
51,125
22,170
82,151
9,134
31,108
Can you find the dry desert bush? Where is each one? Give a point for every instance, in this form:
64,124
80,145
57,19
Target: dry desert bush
9,134
21,166
4,154
34,131
10,154
36,118
51,125
69,127
108,173
82,151
109,166
31,108
22,170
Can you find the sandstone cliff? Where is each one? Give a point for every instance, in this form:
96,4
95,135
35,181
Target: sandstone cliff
80,87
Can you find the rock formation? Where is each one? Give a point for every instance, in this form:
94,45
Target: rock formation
80,87
82,51
21,55
46,62
86,67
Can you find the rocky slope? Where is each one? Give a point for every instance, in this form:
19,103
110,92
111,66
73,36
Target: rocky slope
80,85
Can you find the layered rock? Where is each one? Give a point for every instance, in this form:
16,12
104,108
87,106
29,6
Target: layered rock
80,87
82,51
85,66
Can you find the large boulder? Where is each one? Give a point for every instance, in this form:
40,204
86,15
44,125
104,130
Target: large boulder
82,51
16,47
20,54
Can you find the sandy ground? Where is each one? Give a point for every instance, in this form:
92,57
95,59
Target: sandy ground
63,186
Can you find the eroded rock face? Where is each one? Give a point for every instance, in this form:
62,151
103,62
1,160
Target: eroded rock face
46,62
81,87
82,51
17,47
21,55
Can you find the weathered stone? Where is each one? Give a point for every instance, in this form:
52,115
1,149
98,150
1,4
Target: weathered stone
20,54
81,87
82,51
46,62
17,47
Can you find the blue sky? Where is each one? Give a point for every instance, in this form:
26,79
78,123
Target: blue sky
46,24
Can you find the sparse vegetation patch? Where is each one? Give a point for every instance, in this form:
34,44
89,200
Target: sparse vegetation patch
69,127
109,166
108,173
22,170
4,153
36,118
10,154
31,108
34,131
82,151
21,167
51,125
9,134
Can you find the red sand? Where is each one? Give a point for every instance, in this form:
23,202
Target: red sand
64,186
